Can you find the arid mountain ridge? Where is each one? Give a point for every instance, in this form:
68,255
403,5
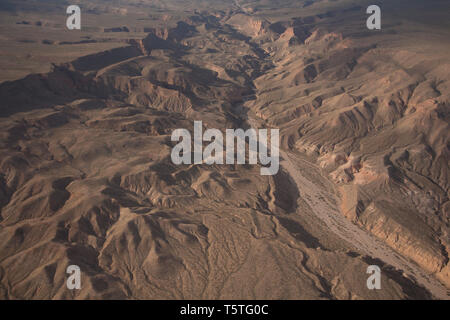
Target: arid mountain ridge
87,177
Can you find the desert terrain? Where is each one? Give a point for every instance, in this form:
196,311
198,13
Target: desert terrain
86,176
